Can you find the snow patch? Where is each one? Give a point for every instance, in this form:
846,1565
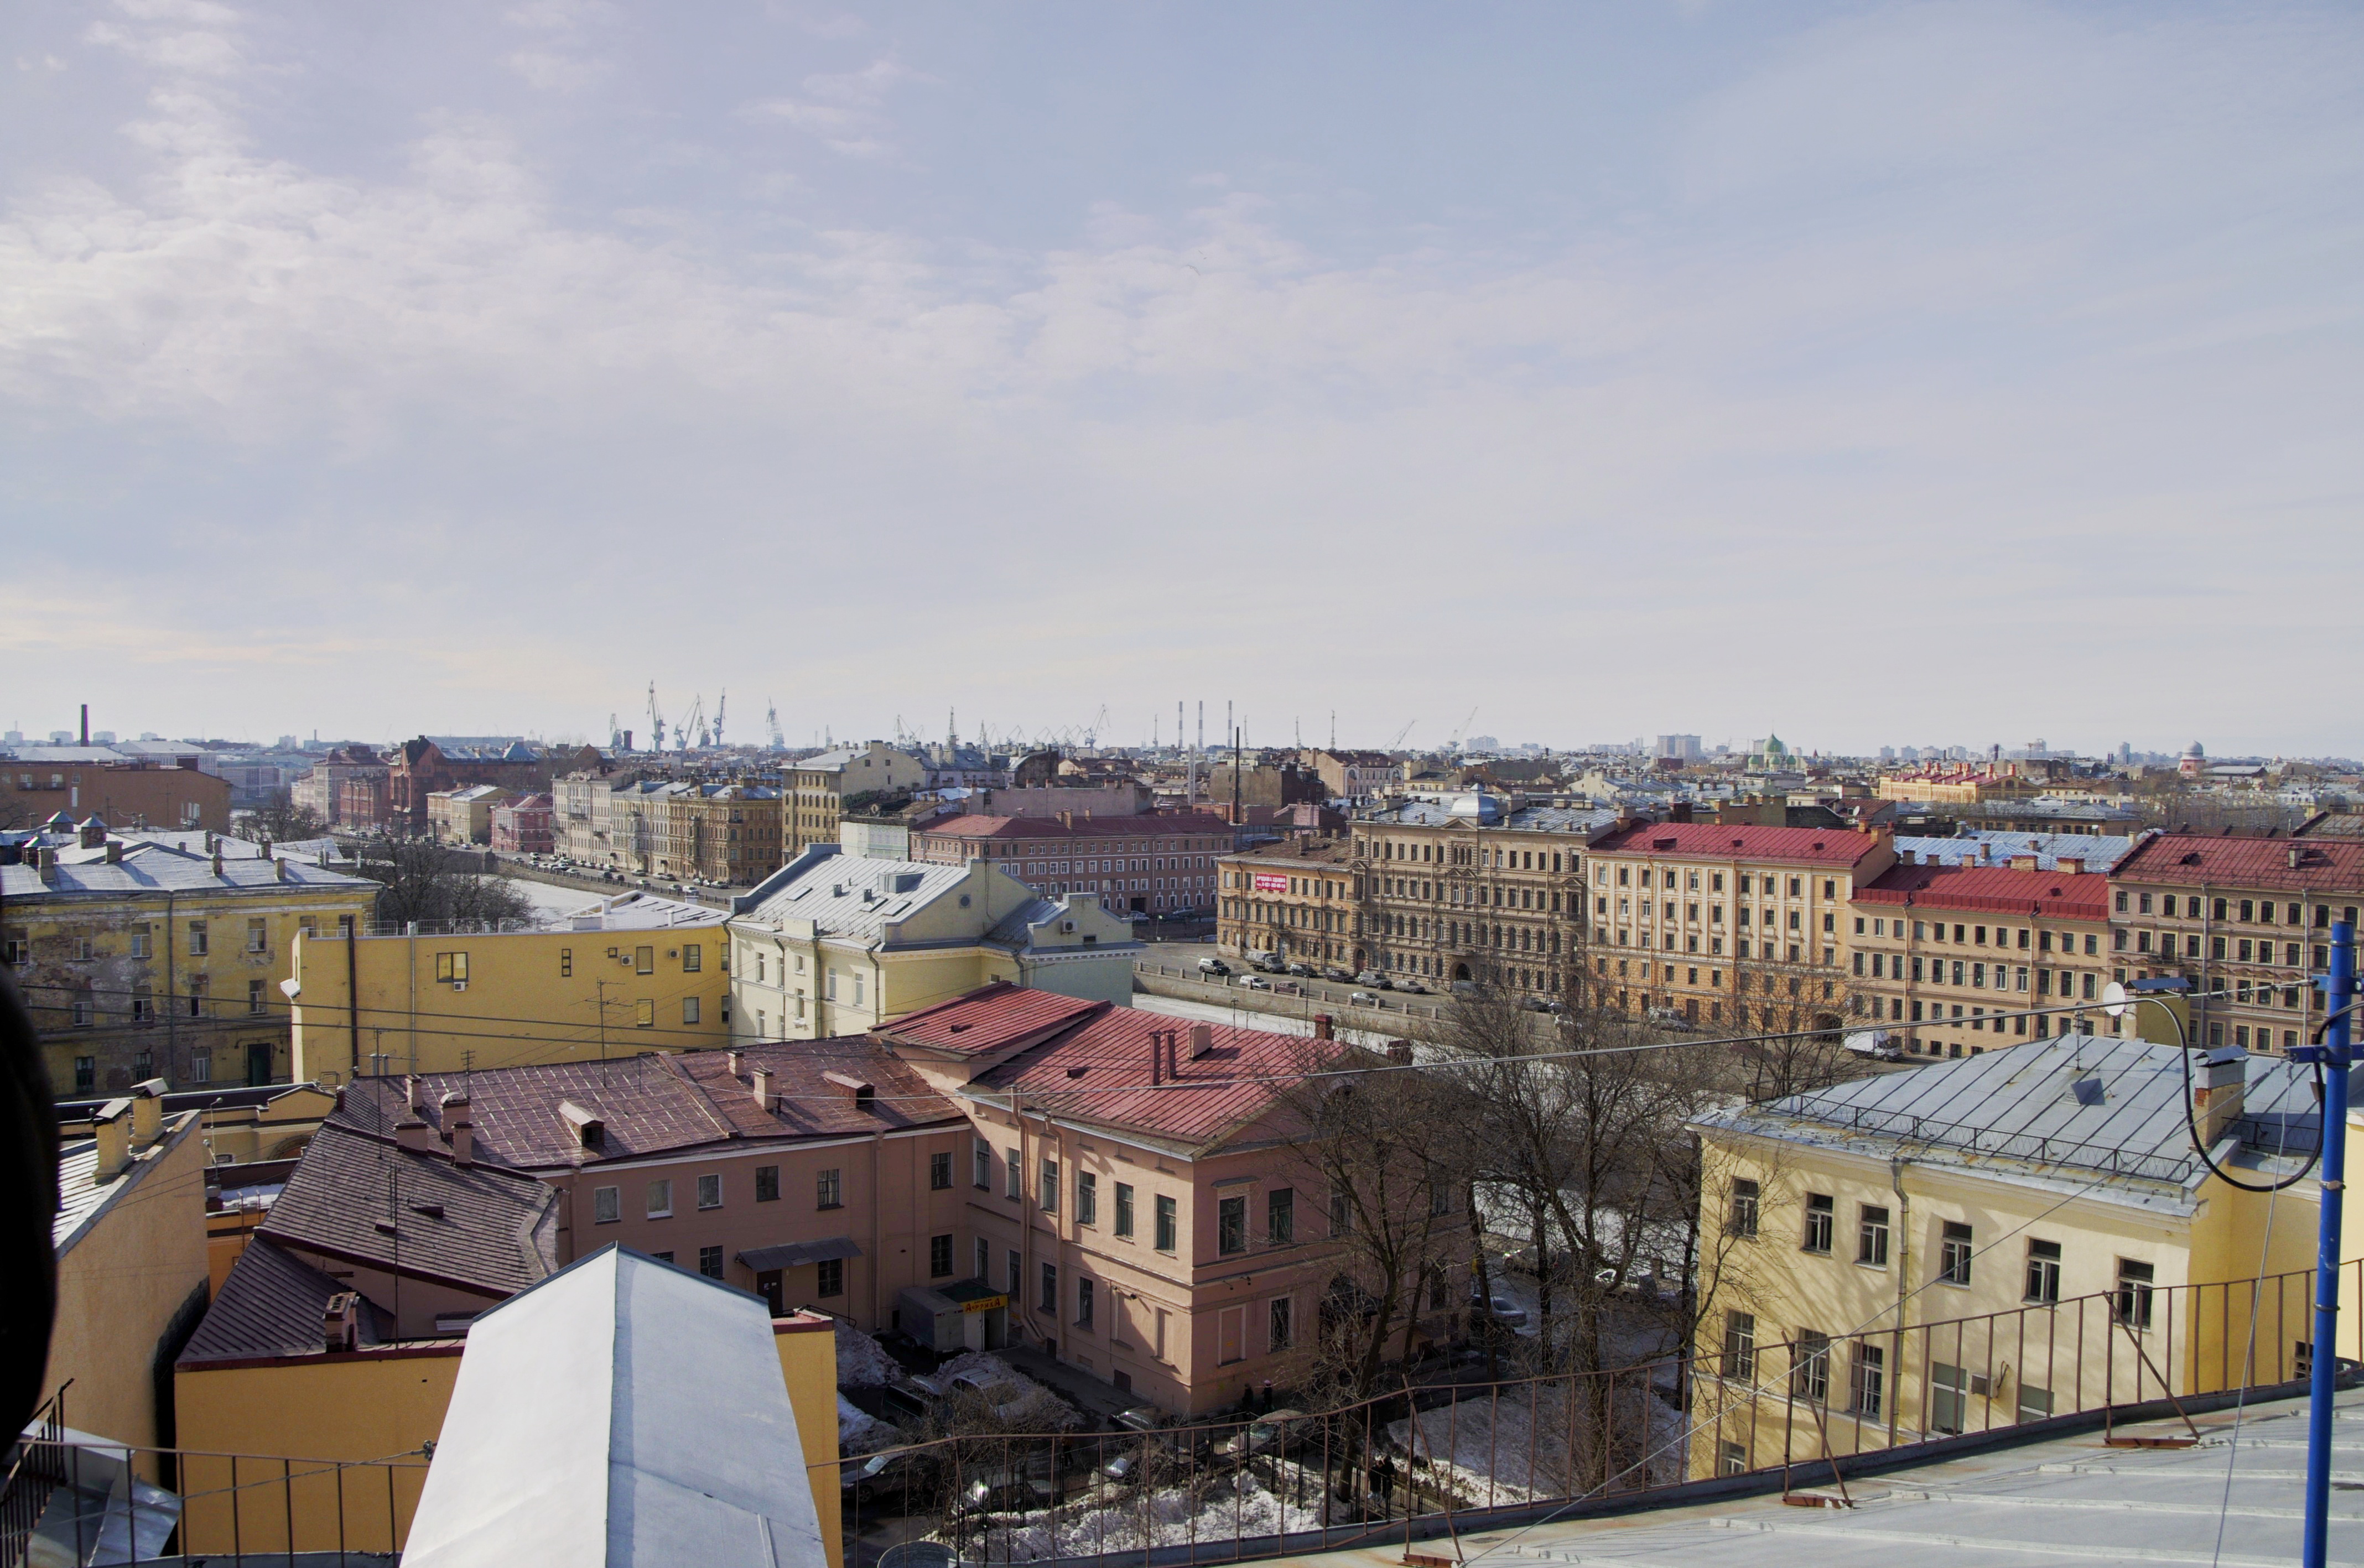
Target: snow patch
858,1431
1229,1509
862,1361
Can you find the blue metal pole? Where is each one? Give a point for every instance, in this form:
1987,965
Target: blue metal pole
2339,992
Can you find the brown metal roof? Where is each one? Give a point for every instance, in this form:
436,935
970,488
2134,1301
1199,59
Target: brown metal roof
2331,868
988,1020
272,1305
416,1212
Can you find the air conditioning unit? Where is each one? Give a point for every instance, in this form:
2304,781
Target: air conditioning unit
458,985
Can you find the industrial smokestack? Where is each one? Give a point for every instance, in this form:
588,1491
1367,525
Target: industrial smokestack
86,724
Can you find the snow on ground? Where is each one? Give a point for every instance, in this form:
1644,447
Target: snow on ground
1495,1451
992,1371
862,1361
861,1432
1226,1509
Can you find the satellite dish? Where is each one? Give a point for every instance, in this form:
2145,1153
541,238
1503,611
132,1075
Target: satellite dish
2114,1000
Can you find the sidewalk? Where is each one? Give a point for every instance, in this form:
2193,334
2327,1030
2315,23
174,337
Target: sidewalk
1101,1401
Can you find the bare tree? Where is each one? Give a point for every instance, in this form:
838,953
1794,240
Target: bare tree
1798,1013
422,882
281,821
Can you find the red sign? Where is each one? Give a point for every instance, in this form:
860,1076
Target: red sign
1267,883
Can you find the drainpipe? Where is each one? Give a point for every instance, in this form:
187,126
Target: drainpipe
1903,1289
171,997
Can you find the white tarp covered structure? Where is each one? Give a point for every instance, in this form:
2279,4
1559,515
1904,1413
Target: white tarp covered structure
623,1411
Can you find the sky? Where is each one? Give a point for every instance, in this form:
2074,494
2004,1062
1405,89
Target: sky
1863,374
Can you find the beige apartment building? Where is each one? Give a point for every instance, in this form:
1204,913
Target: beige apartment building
1469,888
1993,1240
1299,901
1715,923
818,786
1955,960
2246,920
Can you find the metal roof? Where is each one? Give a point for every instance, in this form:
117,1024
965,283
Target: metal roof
83,1199
846,895
154,868
1744,841
642,912
2074,1103
1991,889
1992,846
272,1305
2328,866
795,1254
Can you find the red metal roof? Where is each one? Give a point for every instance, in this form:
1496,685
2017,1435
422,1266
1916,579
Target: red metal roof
1992,889
985,1021
979,827
1100,1072
2325,866
1806,846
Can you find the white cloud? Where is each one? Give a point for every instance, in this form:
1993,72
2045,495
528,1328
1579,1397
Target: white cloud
844,110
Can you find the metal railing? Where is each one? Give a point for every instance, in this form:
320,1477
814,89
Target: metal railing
1443,1457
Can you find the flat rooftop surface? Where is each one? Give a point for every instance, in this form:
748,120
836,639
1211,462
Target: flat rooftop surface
2065,1500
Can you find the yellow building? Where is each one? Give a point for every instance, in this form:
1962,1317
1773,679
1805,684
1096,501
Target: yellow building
465,815
1994,1238
141,960
832,944
131,1235
629,974
819,787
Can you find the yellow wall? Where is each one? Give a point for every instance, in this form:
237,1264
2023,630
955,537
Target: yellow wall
121,1284
531,996
376,1405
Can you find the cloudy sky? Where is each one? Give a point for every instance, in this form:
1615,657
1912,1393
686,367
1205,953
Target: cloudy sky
1870,373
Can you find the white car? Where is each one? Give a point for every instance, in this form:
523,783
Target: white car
1361,999
1254,982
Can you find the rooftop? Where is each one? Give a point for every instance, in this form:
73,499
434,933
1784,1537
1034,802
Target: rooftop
1798,846
148,867
83,1199
2284,865
642,912
272,1305
1083,826
2046,1112
1994,889
1994,845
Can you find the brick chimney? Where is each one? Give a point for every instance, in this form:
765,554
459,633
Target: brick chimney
2219,1089
738,1062
114,852
340,1323
459,1128
44,860
1324,1027
2070,865
147,1112
1156,1057
91,833
411,1133
762,1078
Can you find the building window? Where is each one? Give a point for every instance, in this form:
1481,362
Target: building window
1281,1216
1953,1255
1013,1177
1168,1224
661,1200
1740,1345
1810,1372
1088,1198
829,1189
1820,1217
940,1256
693,958
197,939
1742,1219
1083,1303
140,943
607,1205
566,962
1867,1378
1871,1237
1731,1459
690,1010
201,1065
1050,1187
85,1068
645,1014
767,1184
2133,1293
1016,1277
830,1277
1281,1323
1049,1300
1124,1208
258,939
1231,1225
981,1161
254,1002
940,1172
645,961
710,1191
2043,1272
710,1262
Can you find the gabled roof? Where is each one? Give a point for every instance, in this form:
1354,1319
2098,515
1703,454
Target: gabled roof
154,868
847,895
2328,866
1151,825
1992,889
1833,847
987,1021
272,1303
416,1212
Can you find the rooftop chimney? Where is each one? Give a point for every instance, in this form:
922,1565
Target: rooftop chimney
763,1077
1156,1057
1202,1040
112,1125
410,1132
91,833
114,852
147,1112
340,1323
738,1062
46,862
1323,1026
590,1132
279,868
217,860
2070,865
464,1142
2218,1091
414,1091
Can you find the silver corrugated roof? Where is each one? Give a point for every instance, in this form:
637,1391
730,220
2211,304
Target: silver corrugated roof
154,868
845,895
1997,846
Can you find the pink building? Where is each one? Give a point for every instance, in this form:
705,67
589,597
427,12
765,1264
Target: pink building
527,826
1156,864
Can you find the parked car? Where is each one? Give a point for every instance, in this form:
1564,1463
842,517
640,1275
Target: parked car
1336,976
1005,1398
883,1476
1361,999
1501,1309
1254,982
1273,1433
1302,970
1414,987
1214,966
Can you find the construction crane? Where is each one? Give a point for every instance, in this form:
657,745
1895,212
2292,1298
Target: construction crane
719,703
1455,744
772,723
656,720
693,725
1397,744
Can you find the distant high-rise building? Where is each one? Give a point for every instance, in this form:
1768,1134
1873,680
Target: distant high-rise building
1888,753
1681,747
